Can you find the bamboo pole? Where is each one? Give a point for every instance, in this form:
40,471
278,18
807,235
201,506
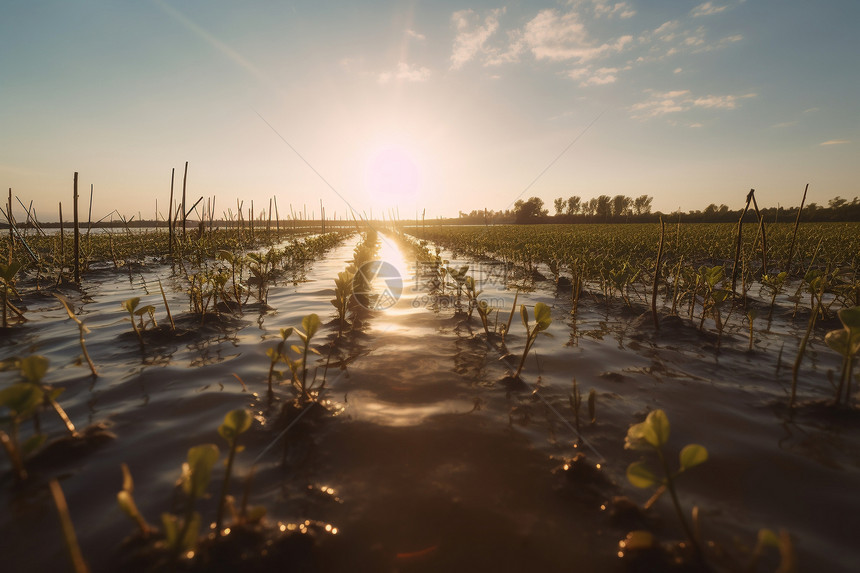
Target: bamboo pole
11,222
170,216
794,236
77,233
184,213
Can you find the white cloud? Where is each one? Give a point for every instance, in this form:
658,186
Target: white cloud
706,9
559,37
601,77
677,70
677,101
415,35
405,72
835,142
721,102
472,34
610,9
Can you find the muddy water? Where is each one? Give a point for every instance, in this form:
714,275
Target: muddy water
425,462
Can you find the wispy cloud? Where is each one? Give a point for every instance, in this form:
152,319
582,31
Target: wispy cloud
405,72
604,8
558,37
410,33
835,142
472,34
663,103
590,77
706,9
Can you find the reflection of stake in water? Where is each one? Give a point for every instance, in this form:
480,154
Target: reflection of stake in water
392,285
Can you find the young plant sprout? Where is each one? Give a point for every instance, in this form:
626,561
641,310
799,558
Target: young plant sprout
484,314
235,423
7,275
342,296
125,499
22,400
181,532
543,318
310,324
652,435
276,354
82,329
131,306
845,341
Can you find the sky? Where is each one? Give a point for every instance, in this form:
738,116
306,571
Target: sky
448,106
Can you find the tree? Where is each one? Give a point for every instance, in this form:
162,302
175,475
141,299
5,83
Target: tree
530,210
603,206
837,202
621,205
559,205
642,205
573,205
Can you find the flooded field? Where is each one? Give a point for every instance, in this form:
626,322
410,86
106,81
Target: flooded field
421,451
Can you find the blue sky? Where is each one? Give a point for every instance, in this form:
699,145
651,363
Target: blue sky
448,106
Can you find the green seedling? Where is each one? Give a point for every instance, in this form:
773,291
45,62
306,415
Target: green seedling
543,318
235,263
342,296
774,284
235,423
22,400
261,267
7,275
125,499
134,314
82,329
459,277
846,341
276,354
507,327
32,370
652,435
181,532
310,324
751,316
484,314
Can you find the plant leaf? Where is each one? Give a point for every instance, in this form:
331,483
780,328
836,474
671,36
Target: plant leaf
850,317
838,340
22,398
656,429
543,316
311,324
692,455
640,476
33,368
200,461
131,303
235,422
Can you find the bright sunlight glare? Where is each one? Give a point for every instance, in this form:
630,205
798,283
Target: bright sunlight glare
392,176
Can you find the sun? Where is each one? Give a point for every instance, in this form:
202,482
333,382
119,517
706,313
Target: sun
392,175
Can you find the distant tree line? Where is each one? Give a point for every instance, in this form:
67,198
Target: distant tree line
624,209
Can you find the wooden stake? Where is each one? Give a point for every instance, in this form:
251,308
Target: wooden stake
184,213
794,236
170,216
657,275
77,231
